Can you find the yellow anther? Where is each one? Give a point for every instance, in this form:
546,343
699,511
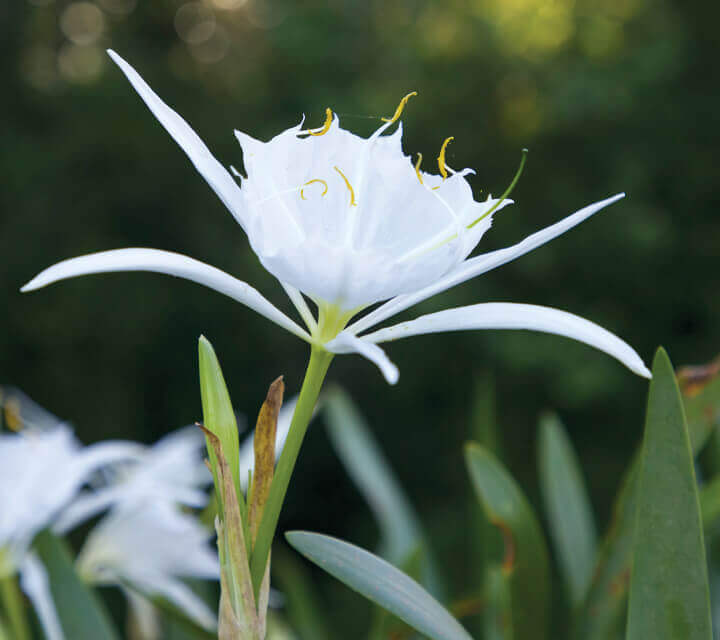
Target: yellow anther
417,168
349,186
12,415
441,157
400,107
326,126
322,182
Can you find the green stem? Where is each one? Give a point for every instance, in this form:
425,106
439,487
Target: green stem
14,608
314,376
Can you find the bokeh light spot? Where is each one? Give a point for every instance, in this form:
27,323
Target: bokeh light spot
213,49
228,5
79,64
118,7
195,23
82,23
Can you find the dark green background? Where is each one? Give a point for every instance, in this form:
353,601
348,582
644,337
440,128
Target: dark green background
608,96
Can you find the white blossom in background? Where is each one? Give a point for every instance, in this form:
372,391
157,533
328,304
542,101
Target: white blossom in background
42,467
171,470
152,547
350,222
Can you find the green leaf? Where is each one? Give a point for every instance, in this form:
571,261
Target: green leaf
669,595
603,613
367,466
82,614
497,618
526,559
486,541
710,504
302,606
572,526
702,411
218,414
379,582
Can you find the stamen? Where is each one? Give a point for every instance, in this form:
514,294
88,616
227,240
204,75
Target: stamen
508,191
322,182
400,107
12,415
326,126
441,157
417,168
349,186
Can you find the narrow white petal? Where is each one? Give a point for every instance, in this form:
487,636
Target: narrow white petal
301,305
209,168
346,342
479,265
502,315
87,505
172,264
185,599
34,582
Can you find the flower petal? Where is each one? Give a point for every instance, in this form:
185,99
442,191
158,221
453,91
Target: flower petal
478,265
346,342
214,173
34,582
501,315
172,264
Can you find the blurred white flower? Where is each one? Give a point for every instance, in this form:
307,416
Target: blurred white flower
350,222
151,546
42,467
172,470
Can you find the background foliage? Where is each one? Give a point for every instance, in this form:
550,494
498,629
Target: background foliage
608,96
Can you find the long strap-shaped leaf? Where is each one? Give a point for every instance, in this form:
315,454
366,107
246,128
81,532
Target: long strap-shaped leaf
380,582
602,616
525,566
567,506
82,614
669,595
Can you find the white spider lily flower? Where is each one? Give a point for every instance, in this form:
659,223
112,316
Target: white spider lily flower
42,467
173,470
41,472
151,547
349,222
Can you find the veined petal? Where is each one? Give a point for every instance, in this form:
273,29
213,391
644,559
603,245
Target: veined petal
502,315
479,265
34,582
346,342
209,168
172,264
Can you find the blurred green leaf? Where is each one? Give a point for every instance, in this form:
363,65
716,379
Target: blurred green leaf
486,542
702,411
497,618
302,606
366,464
568,509
82,614
710,504
669,595
380,582
526,559
402,540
